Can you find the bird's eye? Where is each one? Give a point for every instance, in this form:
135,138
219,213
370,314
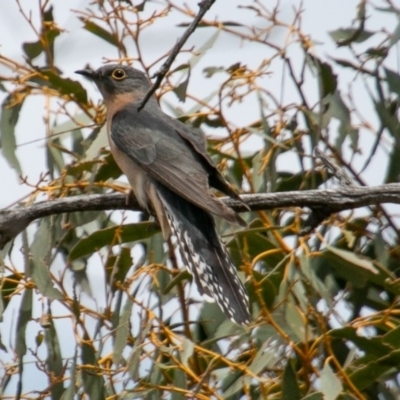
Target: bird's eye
118,74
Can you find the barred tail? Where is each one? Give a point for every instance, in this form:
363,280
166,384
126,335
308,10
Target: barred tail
205,256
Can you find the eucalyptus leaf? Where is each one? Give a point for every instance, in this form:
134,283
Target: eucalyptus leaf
93,383
24,316
40,249
54,360
353,259
122,332
349,35
290,387
8,120
331,385
111,236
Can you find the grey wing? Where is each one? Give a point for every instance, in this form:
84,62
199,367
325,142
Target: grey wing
156,146
197,140
195,137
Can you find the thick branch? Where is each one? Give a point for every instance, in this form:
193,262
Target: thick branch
13,221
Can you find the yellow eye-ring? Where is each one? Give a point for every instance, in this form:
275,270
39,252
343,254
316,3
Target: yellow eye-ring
118,74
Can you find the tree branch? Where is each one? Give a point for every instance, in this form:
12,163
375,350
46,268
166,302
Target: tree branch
160,74
15,220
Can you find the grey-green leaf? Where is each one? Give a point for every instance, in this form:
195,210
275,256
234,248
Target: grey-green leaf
9,118
54,361
290,388
122,332
114,235
40,251
331,385
24,316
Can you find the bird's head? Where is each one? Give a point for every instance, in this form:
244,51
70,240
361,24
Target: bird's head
115,79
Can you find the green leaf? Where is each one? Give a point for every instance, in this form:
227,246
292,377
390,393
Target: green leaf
388,119
195,59
32,49
78,142
108,169
255,240
314,396
346,396
336,108
92,382
40,250
50,31
375,347
211,318
393,80
269,284
24,316
260,176
304,180
290,388
391,122
78,168
119,265
393,169
65,86
295,321
345,36
368,371
70,392
111,236
179,381
134,363
100,32
266,357
392,338
380,249
187,351
381,355
234,383
99,142
180,90
48,35
183,276
354,259
8,121
8,287
122,332
327,79
54,361
379,52
54,158
210,71
134,357
309,271
331,385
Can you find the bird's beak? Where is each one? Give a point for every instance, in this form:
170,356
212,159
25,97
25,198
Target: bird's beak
88,73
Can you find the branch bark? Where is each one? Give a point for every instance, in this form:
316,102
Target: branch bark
15,220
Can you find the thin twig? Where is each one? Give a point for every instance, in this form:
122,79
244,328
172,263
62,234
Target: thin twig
204,7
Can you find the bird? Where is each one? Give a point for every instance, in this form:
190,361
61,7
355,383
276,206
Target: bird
170,173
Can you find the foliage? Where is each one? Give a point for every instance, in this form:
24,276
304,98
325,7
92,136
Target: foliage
98,308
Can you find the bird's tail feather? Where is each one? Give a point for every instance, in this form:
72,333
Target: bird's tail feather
205,256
